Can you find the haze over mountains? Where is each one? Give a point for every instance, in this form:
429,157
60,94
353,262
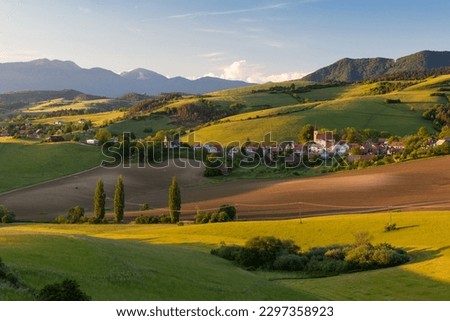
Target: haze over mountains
351,70
44,74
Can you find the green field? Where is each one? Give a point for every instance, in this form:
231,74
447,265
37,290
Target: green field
285,122
166,262
141,128
97,119
24,163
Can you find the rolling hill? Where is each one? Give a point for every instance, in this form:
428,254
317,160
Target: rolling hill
352,70
167,262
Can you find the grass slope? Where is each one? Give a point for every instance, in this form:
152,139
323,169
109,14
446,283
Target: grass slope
97,119
285,122
141,128
109,269
172,262
24,163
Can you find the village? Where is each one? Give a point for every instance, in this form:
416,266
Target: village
323,144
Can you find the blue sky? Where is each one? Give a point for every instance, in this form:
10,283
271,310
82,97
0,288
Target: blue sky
256,41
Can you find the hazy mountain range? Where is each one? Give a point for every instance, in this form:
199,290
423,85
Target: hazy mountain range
351,70
44,74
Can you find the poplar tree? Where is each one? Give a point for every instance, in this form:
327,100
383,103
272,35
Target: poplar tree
99,202
119,200
174,201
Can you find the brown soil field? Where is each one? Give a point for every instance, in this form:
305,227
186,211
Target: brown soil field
415,185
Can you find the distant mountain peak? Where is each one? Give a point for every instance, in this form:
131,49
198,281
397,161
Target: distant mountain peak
55,63
142,74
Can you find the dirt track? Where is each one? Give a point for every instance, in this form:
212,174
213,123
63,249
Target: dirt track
423,184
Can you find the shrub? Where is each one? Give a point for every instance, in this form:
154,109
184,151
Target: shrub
390,227
360,257
10,217
230,210
60,219
144,219
165,219
290,262
67,290
144,207
75,215
202,217
262,251
6,216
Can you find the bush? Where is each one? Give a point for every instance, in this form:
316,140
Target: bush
290,262
60,219
67,290
144,207
165,219
6,216
390,227
225,213
262,251
202,217
144,219
75,215
360,257
230,210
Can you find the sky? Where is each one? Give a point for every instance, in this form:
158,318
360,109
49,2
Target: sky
255,41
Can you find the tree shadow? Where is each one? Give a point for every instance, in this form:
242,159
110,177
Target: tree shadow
423,255
407,226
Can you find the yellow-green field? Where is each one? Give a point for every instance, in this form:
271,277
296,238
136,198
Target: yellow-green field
97,119
59,104
41,254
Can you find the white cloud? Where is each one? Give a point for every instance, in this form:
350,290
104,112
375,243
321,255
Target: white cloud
228,12
241,70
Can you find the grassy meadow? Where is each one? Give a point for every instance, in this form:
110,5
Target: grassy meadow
97,119
143,127
166,262
28,162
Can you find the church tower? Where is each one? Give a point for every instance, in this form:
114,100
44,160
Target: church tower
315,133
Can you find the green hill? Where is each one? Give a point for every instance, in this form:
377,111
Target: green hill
364,69
166,262
24,163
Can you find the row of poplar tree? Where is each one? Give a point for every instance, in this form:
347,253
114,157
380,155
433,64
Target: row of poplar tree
100,200
119,202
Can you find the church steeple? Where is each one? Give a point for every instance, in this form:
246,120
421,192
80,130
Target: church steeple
315,133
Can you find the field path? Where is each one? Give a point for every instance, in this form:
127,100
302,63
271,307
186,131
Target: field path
422,184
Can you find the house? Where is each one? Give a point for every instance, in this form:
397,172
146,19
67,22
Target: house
395,147
341,148
442,141
213,148
92,141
